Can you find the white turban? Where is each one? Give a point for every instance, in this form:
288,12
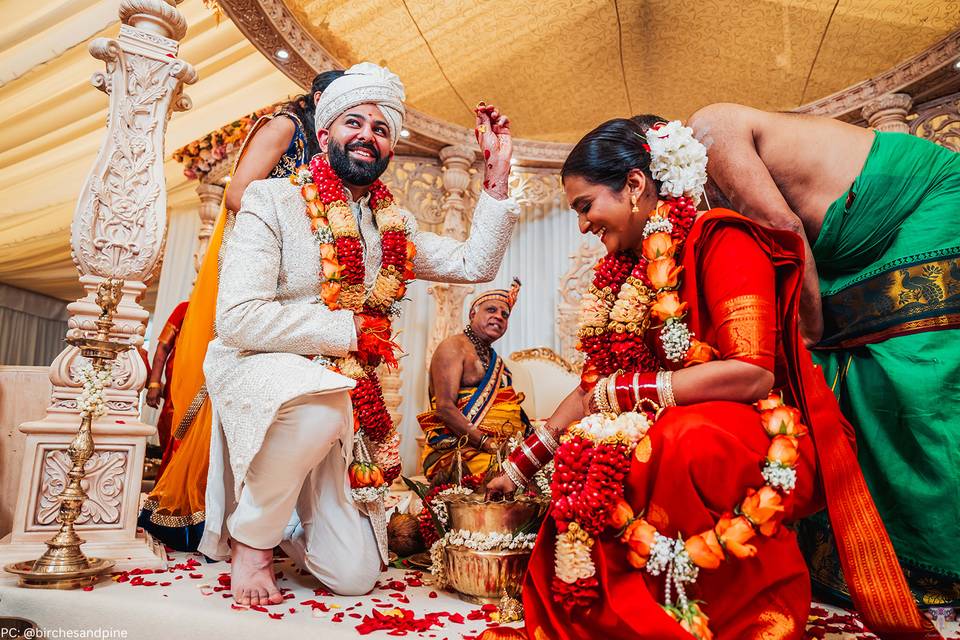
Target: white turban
364,83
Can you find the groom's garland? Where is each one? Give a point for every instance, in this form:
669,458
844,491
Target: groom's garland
342,274
593,460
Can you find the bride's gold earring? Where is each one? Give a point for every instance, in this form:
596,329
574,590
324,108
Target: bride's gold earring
633,201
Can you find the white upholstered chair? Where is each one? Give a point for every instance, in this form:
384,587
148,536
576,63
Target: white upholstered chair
545,379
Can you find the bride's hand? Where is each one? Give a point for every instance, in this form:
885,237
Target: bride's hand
589,404
500,487
496,143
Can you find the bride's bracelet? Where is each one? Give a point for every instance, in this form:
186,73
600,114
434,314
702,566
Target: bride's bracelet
634,390
532,454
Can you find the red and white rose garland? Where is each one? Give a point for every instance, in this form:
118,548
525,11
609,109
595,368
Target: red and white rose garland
342,274
628,293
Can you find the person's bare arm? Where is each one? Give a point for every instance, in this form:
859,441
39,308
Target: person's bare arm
736,167
446,370
154,384
261,156
731,380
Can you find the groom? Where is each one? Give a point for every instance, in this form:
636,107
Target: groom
299,278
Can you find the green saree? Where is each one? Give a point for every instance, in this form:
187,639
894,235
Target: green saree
889,264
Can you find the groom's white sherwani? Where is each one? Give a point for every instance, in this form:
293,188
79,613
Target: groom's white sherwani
270,315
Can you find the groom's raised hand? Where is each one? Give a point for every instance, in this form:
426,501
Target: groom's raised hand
496,144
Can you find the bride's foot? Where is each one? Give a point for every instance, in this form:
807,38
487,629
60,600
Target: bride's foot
251,576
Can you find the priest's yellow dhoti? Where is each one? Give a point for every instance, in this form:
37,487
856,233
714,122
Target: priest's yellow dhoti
493,407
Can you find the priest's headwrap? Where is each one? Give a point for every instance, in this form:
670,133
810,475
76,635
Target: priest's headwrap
508,296
364,83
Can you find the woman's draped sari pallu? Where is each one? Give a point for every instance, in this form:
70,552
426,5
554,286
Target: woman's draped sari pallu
174,511
742,282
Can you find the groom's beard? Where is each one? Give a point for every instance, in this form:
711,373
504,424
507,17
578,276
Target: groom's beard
352,171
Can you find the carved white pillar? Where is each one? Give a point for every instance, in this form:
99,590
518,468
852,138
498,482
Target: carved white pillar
119,229
211,195
456,181
889,113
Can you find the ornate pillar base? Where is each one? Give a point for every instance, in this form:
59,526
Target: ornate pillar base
109,516
142,552
108,520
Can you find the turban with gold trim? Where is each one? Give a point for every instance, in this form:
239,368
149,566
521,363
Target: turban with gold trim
507,296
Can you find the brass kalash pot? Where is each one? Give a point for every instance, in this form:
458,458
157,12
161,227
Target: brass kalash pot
63,565
484,577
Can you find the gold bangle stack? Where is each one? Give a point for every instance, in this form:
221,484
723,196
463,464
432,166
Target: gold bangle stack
665,389
155,385
600,396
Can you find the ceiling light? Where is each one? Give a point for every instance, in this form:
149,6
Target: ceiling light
404,133
282,54
513,161
956,65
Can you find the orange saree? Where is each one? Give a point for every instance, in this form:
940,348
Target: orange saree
742,282
174,512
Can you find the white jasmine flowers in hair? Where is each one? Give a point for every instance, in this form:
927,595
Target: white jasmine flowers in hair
677,160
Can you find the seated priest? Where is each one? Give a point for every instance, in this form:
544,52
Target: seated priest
473,406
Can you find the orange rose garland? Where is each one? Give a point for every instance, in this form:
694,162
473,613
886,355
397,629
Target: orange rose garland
629,290
342,276
591,465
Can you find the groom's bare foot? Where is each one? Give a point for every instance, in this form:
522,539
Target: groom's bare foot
251,576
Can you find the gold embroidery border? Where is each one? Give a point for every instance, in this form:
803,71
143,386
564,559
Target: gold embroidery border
175,522
902,319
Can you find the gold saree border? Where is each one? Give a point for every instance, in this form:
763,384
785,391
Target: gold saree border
907,299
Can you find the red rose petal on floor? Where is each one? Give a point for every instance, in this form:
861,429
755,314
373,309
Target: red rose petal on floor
196,576
238,607
337,617
456,617
432,594
275,616
258,608
292,610
88,588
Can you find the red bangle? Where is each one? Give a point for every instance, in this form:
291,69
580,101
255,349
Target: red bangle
530,456
634,387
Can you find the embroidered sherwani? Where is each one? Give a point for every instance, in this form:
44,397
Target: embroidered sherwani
270,316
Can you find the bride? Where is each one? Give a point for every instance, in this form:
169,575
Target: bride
701,428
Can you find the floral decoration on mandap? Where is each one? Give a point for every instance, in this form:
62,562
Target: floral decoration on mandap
199,157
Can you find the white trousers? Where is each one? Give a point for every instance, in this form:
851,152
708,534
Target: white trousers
301,466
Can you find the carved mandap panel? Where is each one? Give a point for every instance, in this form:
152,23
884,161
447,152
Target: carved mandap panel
107,473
